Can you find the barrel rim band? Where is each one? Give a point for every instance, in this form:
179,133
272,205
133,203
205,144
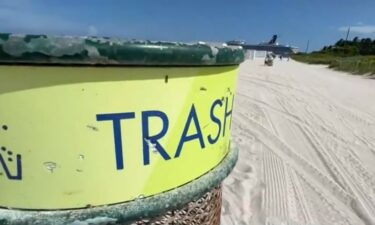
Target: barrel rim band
133,210
104,51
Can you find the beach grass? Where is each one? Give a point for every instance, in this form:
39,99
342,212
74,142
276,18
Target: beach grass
353,64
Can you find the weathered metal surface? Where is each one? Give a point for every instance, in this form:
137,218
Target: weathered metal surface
55,174
73,132
42,49
127,212
204,211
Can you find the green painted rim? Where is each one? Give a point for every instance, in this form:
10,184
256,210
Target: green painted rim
129,211
102,51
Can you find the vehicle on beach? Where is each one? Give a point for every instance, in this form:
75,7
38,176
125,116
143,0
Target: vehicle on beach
268,61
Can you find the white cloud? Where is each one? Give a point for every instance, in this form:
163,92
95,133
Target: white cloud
363,29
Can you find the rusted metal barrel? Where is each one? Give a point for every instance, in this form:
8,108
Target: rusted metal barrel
110,131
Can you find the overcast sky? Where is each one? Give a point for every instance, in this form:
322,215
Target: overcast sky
296,21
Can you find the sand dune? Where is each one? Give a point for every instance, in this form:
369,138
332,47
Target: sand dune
307,147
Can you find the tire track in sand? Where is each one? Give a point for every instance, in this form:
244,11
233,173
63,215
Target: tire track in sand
319,182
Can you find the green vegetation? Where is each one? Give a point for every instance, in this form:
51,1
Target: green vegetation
356,56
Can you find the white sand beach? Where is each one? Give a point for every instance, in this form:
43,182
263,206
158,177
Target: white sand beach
306,136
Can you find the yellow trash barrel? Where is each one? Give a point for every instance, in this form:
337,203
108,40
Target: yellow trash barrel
111,131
